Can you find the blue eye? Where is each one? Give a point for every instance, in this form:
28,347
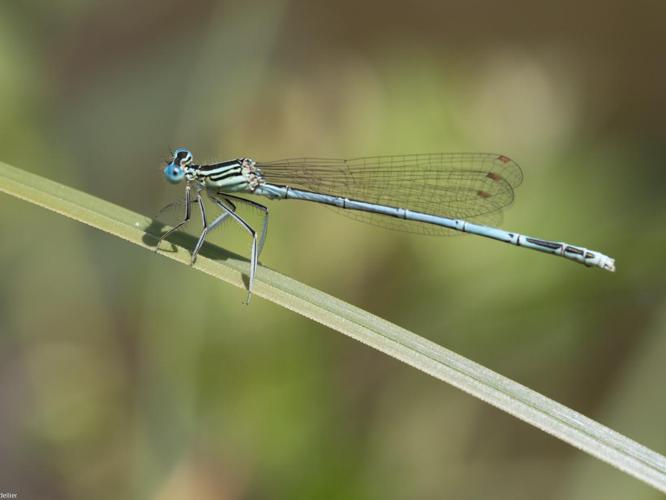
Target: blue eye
173,173
182,156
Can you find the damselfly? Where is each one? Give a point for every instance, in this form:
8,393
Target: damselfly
434,194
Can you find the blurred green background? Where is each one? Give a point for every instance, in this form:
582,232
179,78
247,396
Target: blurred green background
127,375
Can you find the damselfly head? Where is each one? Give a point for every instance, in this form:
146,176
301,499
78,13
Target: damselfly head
176,170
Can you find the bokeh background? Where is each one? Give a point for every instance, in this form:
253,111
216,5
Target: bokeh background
127,375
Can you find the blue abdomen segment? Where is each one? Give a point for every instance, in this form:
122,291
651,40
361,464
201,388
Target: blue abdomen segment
571,252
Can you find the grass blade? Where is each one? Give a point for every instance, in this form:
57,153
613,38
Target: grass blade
509,396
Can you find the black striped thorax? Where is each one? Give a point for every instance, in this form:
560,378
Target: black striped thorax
234,175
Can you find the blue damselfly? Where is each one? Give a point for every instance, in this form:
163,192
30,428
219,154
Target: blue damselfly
435,194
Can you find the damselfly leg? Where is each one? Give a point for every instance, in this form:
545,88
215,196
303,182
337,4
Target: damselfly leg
206,229
188,215
254,254
227,203
261,208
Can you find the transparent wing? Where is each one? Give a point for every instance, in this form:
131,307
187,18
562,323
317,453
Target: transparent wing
470,186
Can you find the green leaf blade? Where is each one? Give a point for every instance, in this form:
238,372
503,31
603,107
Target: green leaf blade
424,355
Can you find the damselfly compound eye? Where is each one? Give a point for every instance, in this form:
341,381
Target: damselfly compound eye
173,173
182,157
